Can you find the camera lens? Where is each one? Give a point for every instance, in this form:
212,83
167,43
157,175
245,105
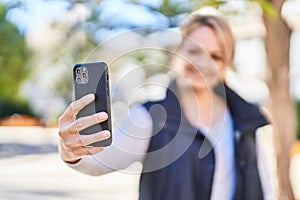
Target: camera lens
84,75
77,71
79,80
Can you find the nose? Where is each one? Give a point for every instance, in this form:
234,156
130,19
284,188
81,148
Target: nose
203,62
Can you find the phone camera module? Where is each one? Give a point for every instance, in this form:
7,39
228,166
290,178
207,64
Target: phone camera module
82,75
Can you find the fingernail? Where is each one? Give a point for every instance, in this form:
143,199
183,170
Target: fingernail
90,96
106,134
102,115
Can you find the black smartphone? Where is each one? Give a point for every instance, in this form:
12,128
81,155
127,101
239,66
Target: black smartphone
94,78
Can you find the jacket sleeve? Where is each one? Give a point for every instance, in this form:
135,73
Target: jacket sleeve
130,144
266,159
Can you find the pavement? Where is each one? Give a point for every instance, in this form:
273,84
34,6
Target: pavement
30,168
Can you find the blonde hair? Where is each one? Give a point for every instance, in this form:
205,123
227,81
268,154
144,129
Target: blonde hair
221,28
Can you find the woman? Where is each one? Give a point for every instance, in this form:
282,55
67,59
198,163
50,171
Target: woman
198,143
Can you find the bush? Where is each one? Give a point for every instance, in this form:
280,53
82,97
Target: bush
10,107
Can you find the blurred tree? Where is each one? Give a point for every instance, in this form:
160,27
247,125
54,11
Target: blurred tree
14,56
81,29
88,26
281,104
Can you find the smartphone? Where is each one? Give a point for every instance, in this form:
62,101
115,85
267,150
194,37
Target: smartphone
94,78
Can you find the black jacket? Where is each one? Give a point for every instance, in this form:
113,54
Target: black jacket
173,169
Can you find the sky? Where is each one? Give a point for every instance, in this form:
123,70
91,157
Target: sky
35,12
39,11
138,15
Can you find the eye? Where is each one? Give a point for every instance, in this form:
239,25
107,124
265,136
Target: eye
217,57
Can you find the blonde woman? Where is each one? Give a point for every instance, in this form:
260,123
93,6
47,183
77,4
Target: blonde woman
197,143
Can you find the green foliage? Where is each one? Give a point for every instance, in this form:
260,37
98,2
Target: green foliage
212,3
267,8
10,107
13,59
171,9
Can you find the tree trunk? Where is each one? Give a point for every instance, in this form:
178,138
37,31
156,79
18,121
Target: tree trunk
281,105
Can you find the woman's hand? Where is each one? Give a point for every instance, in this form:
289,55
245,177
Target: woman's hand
73,146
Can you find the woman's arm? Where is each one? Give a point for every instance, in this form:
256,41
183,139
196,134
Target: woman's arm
130,143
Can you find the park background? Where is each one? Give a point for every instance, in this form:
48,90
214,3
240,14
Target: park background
41,40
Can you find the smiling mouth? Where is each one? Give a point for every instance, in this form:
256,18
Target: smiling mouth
199,72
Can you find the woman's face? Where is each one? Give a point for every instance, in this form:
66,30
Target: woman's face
203,59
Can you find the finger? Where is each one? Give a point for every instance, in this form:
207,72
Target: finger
77,140
96,137
85,122
73,109
72,141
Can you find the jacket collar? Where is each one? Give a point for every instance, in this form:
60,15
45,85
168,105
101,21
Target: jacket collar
246,116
